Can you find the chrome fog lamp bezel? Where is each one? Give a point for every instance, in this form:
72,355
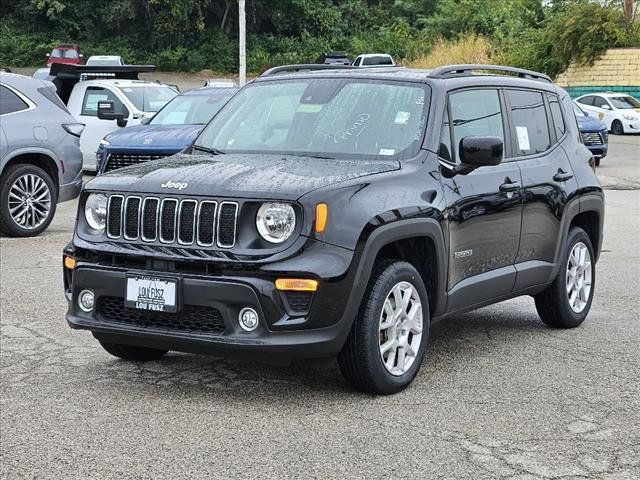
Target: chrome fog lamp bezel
243,324
83,306
90,211
261,218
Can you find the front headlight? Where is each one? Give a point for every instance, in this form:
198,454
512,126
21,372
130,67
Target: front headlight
629,116
105,143
95,211
276,221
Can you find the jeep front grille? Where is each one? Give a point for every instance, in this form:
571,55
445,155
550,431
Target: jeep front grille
592,138
119,160
172,221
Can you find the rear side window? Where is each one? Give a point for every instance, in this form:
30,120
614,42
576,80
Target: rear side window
52,96
556,114
10,102
475,113
529,120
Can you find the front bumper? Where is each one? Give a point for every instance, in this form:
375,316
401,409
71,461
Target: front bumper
631,126
285,331
599,150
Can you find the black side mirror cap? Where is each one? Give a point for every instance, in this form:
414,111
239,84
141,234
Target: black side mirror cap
476,152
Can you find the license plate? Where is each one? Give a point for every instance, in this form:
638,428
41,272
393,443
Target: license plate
151,293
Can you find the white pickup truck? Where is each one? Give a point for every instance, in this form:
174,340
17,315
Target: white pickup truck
83,87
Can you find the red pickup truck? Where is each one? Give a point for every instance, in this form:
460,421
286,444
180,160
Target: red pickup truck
65,53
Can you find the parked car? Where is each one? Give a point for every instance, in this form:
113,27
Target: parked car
40,158
67,53
42,74
334,58
374,60
168,132
312,217
84,88
105,60
594,133
619,112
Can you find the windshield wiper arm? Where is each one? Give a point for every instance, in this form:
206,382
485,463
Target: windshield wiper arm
212,151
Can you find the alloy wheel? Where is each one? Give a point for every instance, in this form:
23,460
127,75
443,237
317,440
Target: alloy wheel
29,201
579,277
400,328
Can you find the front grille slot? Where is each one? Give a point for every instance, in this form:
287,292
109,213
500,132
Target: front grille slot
227,224
132,218
150,219
168,220
187,221
592,138
119,160
190,319
204,223
114,216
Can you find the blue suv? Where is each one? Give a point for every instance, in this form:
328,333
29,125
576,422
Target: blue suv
168,132
594,133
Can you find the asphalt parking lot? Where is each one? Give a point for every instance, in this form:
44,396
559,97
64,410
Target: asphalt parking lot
499,395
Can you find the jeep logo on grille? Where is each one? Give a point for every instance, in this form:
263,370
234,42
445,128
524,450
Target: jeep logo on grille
176,185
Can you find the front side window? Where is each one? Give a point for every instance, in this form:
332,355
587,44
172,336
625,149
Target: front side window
10,102
149,98
600,102
588,100
625,102
93,95
327,117
475,113
529,120
191,109
556,114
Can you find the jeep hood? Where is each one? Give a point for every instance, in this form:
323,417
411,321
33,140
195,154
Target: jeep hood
154,137
237,175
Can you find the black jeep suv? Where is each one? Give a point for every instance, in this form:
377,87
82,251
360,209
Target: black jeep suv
331,211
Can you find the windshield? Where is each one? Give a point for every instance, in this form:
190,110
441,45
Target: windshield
625,102
353,118
149,98
192,109
578,111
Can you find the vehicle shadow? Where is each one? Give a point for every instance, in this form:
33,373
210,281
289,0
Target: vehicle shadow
454,344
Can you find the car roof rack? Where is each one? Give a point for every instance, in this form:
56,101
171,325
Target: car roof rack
463,70
306,67
65,76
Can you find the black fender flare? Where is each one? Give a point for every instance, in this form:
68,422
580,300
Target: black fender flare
386,234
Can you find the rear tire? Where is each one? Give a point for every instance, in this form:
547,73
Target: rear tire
132,353
28,198
566,302
617,128
384,350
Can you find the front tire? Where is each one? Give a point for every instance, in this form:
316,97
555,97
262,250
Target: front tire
617,128
132,353
384,350
567,301
28,200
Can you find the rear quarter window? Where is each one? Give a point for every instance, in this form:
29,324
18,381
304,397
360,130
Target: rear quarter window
52,96
10,102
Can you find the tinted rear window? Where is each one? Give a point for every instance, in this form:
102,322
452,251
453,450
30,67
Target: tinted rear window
51,95
10,102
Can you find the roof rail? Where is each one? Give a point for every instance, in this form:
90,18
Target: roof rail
305,67
448,71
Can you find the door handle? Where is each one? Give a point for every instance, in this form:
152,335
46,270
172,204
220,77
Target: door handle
562,176
509,186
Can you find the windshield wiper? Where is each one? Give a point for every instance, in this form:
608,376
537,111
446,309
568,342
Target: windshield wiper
212,151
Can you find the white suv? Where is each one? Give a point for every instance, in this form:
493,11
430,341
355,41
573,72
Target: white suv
620,112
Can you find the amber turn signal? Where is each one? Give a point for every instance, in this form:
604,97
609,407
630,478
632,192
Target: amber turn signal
321,217
69,262
297,284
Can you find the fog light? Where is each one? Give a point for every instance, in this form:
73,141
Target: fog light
248,319
85,300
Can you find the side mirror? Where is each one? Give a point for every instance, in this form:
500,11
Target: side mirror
106,111
606,107
476,152
81,55
48,54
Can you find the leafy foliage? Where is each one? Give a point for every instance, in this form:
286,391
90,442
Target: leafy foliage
197,34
